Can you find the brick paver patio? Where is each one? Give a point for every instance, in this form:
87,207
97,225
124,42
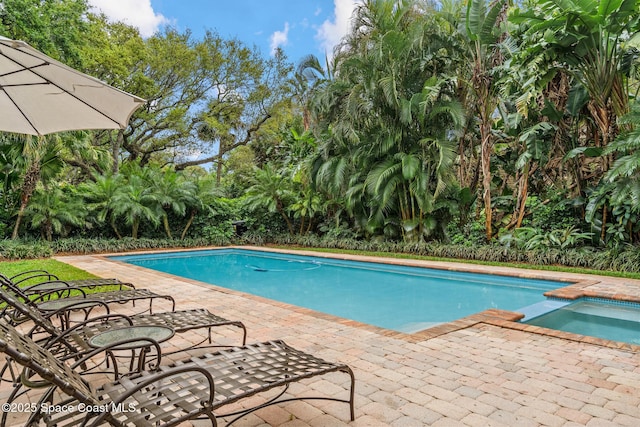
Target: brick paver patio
482,371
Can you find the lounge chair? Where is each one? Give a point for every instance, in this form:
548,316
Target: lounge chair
193,388
38,281
61,298
75,340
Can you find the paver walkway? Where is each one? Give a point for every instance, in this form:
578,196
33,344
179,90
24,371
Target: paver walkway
485,374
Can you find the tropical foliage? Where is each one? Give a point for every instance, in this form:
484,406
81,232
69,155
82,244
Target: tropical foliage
475,129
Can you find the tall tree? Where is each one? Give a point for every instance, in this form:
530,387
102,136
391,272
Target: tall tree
309,74
205,96
590,41
55,27
386,118
115,53
32,159
483,25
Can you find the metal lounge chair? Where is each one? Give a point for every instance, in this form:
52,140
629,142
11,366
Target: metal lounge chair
180,321
63,298
75,340
75,343
38,281
193,388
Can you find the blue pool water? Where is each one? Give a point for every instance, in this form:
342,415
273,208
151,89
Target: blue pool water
597,318
405,299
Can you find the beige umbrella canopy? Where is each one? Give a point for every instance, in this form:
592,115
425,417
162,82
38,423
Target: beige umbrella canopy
39,95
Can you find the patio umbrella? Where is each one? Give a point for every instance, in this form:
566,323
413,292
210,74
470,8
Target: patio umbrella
39,95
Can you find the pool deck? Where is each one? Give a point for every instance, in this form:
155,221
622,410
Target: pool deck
483,370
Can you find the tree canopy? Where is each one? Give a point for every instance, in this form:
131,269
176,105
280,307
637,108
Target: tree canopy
484,121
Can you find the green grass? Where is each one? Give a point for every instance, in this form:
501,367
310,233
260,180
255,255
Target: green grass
575,270
60,269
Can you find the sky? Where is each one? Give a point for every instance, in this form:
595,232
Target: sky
299,27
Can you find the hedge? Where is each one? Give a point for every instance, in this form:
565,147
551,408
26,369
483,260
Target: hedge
622,259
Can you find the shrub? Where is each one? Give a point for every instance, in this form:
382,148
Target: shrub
624,258
87,246
13,250
469,234
219,232
555,212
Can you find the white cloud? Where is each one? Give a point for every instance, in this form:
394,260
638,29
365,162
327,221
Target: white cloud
330,32
137,13
279,38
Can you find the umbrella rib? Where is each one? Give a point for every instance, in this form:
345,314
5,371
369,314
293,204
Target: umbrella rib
20,110
10,97
31,69
21,70
24,84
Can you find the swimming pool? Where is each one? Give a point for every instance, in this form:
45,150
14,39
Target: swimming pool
618,321
405,299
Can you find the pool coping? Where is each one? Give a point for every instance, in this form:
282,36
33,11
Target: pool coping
578,287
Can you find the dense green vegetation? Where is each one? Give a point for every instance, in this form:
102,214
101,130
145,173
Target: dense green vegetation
503,131
67,272
574,270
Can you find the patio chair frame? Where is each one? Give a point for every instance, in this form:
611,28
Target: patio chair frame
190,389
73,341
63,293
52,282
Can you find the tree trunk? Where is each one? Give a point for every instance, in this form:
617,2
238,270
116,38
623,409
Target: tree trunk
603,230
115,151
16,227
280,209
306,118
188,224
602,117
134,228
219,170
486,150
522,195
462,167
115,229
31,178
167,229
49,230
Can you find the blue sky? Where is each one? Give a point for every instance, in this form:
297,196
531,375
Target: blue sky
299,27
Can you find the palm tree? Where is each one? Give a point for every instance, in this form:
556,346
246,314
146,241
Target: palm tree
205,192
136,201
305,208
620,187
308,76
173,192
483,31
590,47
100,198
51,210
386,118
271,191
35,159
